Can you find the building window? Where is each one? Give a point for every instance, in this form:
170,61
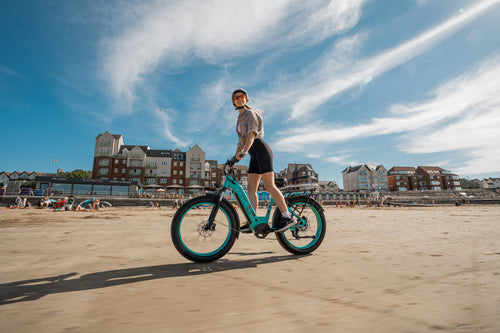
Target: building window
106,143
195,157
104,162
103,171
135,163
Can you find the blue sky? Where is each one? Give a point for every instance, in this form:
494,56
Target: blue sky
339,83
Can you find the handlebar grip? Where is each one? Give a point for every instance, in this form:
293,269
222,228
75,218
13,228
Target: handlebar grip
232,161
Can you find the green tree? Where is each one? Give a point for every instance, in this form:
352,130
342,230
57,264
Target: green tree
78,173
468,184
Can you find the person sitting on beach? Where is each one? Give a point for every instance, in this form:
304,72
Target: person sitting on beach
60,203
45,202
96,204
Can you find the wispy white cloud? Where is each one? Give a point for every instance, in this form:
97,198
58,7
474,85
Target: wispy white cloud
8,71
174,33
164,123
464,117
329,77
341,159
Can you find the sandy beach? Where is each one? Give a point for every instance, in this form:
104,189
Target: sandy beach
404,270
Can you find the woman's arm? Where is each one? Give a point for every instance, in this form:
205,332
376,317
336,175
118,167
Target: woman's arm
248,144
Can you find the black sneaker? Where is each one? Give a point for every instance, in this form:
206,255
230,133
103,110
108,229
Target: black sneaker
246,229
286,223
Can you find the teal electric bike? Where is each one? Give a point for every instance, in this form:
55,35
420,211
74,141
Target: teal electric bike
205,228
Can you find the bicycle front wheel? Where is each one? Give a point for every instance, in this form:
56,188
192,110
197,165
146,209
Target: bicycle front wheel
191,236
310,230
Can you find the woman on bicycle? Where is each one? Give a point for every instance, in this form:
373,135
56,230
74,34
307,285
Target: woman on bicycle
250,130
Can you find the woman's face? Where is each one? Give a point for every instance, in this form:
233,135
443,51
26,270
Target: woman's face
240,99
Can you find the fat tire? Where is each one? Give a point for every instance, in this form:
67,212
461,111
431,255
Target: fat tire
177,219
294,200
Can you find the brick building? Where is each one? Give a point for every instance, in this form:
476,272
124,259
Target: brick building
174,170
423,178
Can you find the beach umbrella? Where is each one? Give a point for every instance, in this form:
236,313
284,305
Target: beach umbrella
160,190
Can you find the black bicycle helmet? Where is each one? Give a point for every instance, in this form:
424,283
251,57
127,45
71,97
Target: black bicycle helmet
239,91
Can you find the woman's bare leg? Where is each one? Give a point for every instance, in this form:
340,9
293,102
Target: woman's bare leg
252,186
270,186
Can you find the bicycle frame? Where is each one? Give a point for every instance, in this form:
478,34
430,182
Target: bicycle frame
244,202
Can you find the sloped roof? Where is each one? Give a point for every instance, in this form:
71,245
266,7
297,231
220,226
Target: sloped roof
159,153
130,147
431,169
369,166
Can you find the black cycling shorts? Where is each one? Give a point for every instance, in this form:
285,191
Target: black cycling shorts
261,157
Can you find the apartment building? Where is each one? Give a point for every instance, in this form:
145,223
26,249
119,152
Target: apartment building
299,177
422,178
212,174
170,169
365,178
401,178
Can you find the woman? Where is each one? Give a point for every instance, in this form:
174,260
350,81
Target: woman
250,130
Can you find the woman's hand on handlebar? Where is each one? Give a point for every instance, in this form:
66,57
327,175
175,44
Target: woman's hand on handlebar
232,161
239,156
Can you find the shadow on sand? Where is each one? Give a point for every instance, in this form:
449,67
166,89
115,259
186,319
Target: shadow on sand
29,290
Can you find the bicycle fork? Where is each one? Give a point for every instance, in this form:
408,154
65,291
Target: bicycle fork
213,214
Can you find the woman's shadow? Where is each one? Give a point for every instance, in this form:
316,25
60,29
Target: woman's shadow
28,290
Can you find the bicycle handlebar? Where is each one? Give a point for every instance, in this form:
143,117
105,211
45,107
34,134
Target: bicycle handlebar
229,163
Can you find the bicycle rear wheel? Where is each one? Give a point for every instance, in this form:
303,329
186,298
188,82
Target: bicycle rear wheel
308,234
193,240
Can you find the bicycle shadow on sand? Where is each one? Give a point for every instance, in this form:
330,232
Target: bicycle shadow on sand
29,290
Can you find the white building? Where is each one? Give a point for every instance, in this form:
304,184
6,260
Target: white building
365,178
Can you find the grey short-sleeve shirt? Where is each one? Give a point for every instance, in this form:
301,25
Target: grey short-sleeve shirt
249,121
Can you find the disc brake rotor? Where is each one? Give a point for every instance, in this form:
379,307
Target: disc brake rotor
204,231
